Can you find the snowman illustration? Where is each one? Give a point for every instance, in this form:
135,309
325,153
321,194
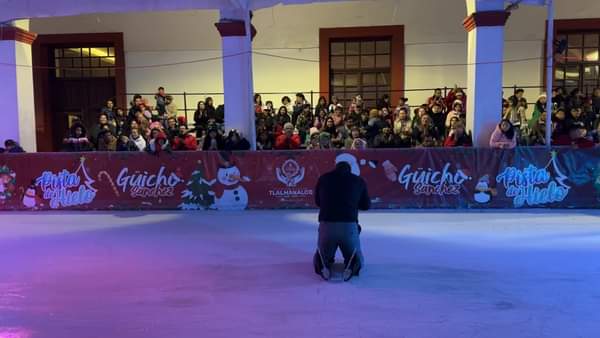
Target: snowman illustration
483,192
354,163
228,192
30,198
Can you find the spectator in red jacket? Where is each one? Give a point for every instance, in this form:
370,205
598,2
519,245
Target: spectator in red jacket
288,139
185,140
457,137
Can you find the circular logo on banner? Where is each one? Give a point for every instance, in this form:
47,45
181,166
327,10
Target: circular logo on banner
290,169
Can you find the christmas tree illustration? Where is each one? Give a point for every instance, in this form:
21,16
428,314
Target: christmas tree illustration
88,181
560,177
197,194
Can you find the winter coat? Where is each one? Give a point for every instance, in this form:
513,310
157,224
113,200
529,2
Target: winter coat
242,144
284,142
499,140
462,141
186,142
206,145
340,194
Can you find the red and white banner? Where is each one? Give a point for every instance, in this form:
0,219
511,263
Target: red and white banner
410,178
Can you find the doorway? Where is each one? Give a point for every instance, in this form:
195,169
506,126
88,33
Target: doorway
74,76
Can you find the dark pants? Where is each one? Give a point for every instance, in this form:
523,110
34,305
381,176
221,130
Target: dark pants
342,235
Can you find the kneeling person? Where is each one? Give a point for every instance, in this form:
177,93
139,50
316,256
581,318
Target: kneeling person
339,195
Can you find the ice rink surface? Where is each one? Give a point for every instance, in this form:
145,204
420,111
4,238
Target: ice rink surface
173,274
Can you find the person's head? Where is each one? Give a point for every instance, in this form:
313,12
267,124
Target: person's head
182,130
402,101
374,114
425,120
350,123
542,99
358,109
213,133
314,140
338,119
257,99
339,110
542,118
323,113
135,133
102,119
78,131
343,167
306,109
355,133
560,114
322,101
457,106
385,112
288,129
437,92
172,123
201,106
596,92
161,91
286,100
329,123
325,140
137,100
436,108
334,99
10,144
403,114
453,121
208,101
359,99
110,104
459,95
107,135
234,136
282,110
120,112
386,131
459,128
385,98
359,144
269,105
505,126
576,112
421,111
134,124
299,98
154,133
519,92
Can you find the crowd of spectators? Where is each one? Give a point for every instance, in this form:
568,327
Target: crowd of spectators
297,124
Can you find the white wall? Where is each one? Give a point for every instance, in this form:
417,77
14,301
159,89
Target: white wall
433,35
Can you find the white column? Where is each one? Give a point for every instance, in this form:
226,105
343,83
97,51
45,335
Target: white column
485,26
237,73
16,79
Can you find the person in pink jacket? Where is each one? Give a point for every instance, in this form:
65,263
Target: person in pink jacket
504,137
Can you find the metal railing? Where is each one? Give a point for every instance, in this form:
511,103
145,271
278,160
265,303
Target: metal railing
186,102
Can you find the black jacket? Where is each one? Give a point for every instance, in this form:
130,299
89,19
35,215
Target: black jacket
340,195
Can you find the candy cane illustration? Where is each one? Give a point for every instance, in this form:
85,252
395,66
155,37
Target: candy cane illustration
110,180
